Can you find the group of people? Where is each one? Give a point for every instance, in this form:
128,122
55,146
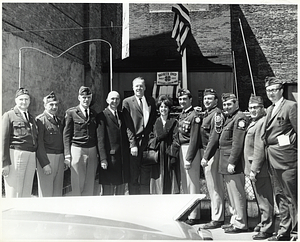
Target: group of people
227,143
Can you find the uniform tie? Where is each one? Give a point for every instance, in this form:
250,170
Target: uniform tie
26,116
86,114
55,119
270,113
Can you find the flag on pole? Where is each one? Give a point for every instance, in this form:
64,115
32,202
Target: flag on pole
181,26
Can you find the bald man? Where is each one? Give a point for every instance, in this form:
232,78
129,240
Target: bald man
114,142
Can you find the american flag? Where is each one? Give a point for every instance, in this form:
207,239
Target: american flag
181,26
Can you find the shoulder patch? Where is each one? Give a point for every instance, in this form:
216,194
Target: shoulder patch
242,124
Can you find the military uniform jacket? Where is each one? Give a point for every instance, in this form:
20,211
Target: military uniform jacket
283,124
114,141
254,161
189,132
78,131
231,142
50,139
17,133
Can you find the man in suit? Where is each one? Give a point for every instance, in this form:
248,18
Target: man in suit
80,141
280,138
212,122
140,115
189,140
50,152
231,144
113,146
19,144
256,168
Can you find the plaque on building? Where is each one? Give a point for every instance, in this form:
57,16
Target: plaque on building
167,78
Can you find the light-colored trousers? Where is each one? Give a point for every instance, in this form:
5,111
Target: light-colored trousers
83,170
214,182
236,192
51,185
19,181
190,179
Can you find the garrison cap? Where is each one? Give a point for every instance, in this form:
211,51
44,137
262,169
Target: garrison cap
21,91
228,96
50,98
209,91
272,81
84,91
256,99
183,91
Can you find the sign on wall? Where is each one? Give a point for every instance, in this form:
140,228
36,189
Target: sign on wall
167,78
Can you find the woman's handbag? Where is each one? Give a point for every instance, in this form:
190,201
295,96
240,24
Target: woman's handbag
150,157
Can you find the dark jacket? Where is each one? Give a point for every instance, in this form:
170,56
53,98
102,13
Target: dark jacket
50,139
114,141
17,133
78,131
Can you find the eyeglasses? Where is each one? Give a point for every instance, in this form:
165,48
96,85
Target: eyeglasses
254,107
272,90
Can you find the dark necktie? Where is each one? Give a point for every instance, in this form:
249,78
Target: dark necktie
86,114
117,118
55,119
26,116
141,105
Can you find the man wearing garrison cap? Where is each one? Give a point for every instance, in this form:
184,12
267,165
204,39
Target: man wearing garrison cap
50,152
256,168
189,140
19,144
280,139
80,139
231,162
212,122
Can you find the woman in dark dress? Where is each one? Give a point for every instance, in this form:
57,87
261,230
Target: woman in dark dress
165,174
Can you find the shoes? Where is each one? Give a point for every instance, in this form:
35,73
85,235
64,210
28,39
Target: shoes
261,236
234,230
280,237
212,225
192,221
226,226
257,228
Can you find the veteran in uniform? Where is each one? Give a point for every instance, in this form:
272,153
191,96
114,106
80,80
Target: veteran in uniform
212,122
231,145
19,144
80,141
50,152
256,168
189,155
280,138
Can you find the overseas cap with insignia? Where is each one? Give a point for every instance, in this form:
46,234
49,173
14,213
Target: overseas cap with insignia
21,91
256,99
209,91
272,81
228,96
84,91
183,91
50,98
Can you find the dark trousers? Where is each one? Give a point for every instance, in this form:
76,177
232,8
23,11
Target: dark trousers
139,175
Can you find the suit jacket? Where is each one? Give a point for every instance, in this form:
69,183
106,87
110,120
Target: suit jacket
50,140
114,141
283,122
78,131
134,119
17,133
254,161
231,142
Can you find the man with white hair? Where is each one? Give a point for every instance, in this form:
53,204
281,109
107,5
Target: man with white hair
114,141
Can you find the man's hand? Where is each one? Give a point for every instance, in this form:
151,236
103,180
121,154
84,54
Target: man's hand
104,164
67,162
252,176
134,151
47,170
5,171
204,163
230,168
